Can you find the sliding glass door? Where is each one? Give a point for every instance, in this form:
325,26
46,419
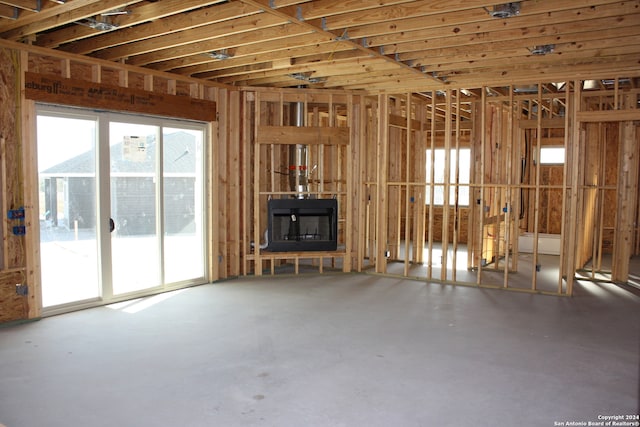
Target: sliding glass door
67,148
121,206
182,201
135,247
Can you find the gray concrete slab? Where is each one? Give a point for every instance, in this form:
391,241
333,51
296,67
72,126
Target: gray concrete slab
328,350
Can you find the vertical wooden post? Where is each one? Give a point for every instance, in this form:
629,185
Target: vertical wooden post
245,166
96,73
123,80
563,222
29,171
517,200
257,260
351,193
420,170
446,184
536,202
408,187
597,262
456,201
19,181
432,161
637,235
381,182
359,144
496,208
4,205
220,184
65,68
576,136
472,253
508,195
233,117
627,194
214,203
483,137
594,169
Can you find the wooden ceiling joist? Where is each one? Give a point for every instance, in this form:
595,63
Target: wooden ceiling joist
31,5
9,12
150,14
406,44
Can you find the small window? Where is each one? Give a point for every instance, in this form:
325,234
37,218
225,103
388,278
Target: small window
552,155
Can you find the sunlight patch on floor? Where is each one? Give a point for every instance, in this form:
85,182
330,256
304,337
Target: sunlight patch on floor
137,305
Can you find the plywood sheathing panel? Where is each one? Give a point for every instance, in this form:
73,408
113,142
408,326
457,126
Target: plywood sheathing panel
590,202
611,141
12,306
13,252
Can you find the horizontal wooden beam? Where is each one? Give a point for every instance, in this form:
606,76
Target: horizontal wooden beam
401,122
608,116
308,135
545,123
59,90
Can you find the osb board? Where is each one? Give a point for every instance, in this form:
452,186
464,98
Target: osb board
463,218
110,76
44,64
160,85
13,246
611,136
607,240
80,71
12,305
136,81
550,220
183,88
555,212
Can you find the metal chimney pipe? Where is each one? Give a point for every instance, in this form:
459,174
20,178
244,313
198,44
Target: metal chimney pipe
298,158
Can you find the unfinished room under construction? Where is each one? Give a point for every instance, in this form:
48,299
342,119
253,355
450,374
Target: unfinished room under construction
408,181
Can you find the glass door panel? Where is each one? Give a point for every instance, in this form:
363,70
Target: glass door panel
182,203
67,199
135,247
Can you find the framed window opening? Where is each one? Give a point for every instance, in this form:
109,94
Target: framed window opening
552,155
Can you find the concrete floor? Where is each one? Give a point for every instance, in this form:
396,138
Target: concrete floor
328,350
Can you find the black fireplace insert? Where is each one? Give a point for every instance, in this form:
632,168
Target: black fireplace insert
303,225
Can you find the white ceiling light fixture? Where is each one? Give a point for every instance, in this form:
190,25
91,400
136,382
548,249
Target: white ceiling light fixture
116,12
219,54
305,77
506,10
97,25
542,49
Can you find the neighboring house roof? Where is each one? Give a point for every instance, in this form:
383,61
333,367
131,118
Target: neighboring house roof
179,157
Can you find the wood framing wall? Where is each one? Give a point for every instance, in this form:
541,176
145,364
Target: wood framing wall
330,132
513,195
369,151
